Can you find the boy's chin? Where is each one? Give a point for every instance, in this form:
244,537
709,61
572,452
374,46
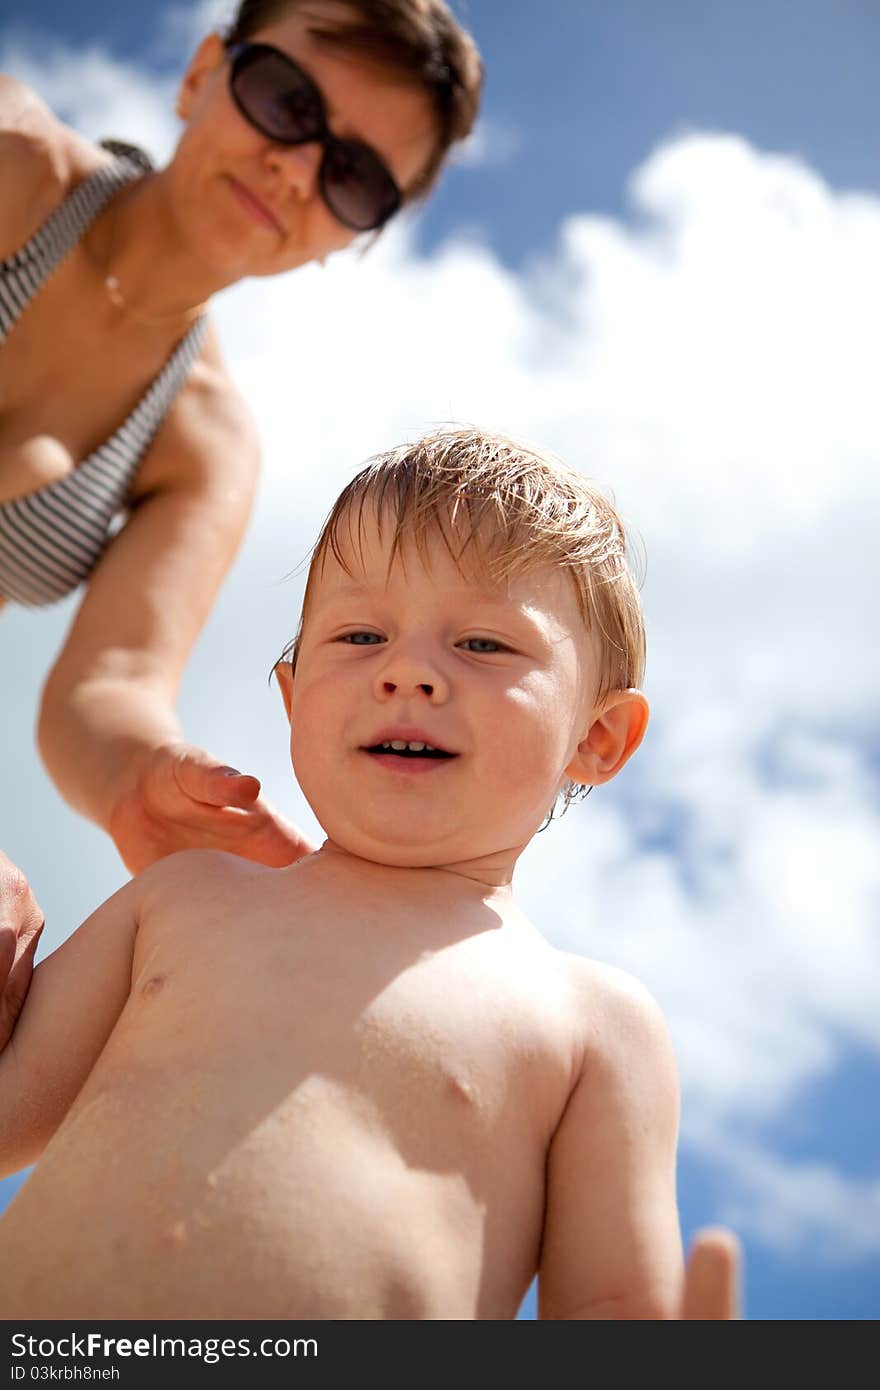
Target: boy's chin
387,852
473,859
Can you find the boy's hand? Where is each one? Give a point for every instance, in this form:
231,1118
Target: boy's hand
711,1292
21,922
182,798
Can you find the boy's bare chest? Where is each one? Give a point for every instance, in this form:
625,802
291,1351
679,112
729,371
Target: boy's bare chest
361,1110
412,1037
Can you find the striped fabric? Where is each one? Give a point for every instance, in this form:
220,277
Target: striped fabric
51,539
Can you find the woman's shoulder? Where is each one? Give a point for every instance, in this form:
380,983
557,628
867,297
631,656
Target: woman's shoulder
41,159
209,436
214,418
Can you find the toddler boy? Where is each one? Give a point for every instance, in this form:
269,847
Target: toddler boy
364,1086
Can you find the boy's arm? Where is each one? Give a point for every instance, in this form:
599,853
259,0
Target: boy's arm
612,1247
75,998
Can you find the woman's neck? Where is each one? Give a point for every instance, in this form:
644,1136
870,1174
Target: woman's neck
150,275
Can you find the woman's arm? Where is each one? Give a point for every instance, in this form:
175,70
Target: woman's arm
107,730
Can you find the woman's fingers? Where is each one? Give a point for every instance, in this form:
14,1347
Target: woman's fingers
21,923
19,910
203,779
265,836
183,798
712,1279
7,951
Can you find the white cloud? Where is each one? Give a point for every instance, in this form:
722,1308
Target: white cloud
712,361
795,1208
94,92
181,27
491,144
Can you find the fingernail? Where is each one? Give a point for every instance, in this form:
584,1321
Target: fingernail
231,772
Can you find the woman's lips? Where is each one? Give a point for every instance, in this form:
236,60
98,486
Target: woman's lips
258,210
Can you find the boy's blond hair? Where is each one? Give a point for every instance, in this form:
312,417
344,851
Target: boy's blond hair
505,509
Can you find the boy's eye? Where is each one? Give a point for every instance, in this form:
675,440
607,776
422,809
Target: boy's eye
360,639
483,645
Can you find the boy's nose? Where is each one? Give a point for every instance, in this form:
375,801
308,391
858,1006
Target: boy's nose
390,687
409,675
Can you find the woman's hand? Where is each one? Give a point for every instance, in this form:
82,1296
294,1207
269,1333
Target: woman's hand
21,922
181,798
711,1292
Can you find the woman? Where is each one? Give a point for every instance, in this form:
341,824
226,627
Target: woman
311,122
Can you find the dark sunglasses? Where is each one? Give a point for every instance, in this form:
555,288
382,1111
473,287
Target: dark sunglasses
282,102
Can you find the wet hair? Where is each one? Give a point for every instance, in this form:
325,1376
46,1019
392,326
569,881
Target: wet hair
419,40
502,509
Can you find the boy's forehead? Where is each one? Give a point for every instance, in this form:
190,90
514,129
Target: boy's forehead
367,555
366,561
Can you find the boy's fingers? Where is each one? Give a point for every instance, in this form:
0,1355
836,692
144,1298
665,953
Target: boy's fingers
712,1280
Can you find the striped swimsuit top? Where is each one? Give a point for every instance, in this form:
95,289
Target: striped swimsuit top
51,539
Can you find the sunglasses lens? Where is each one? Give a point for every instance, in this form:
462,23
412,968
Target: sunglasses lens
276,98
282,102
357,187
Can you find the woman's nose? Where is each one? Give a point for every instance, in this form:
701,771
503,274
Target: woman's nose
297,165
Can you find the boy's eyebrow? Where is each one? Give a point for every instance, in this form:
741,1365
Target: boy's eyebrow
521,616
350,590
495,597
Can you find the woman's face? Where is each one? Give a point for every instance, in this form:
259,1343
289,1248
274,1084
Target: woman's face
254,207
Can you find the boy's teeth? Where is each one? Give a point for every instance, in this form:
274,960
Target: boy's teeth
399,744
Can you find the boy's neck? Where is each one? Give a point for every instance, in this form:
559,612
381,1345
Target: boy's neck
489,875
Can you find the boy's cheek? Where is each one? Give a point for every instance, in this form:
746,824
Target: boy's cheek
526,762
312,692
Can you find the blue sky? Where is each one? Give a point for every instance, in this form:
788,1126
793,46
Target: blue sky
658,258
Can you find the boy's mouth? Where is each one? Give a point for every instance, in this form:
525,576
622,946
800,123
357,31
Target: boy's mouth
407,748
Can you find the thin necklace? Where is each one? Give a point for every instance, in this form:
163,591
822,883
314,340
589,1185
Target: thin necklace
118,300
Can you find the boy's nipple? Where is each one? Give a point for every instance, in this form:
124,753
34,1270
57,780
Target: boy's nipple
461,1089
174,1238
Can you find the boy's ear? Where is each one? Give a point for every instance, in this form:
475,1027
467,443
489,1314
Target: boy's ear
206,60
617,729
284,677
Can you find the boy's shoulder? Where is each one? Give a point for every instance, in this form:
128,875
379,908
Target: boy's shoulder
618,1018
194,873
184,897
